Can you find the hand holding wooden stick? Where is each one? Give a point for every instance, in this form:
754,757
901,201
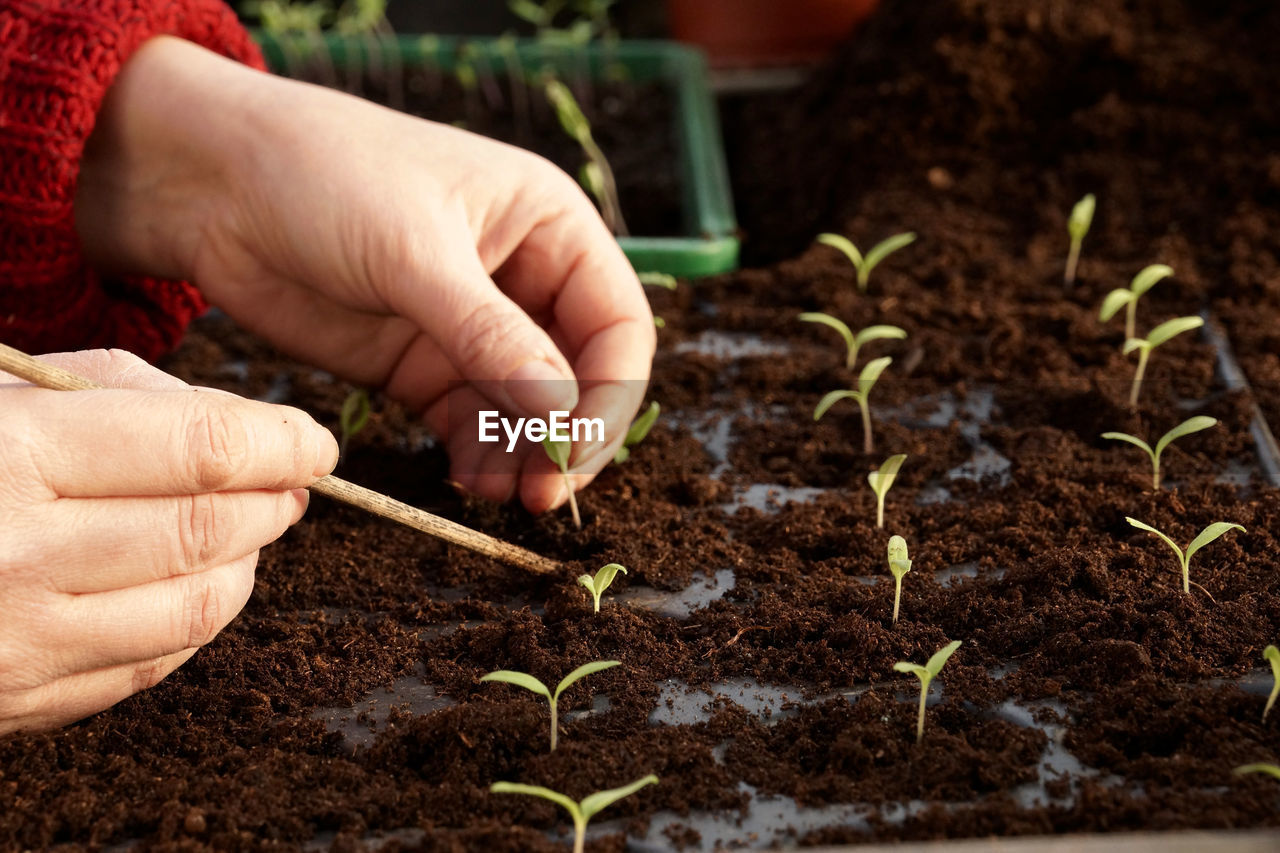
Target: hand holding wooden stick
37,372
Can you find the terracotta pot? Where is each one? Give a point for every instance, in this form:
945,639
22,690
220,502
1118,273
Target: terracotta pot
765,32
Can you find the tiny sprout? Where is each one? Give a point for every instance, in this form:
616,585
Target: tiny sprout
637,431
854,342
881,481
1210,533
899,565
1272,654
598,584
1159,335
1187,427
1269,769
353,417
580,812
658,279
866,381
559,451
878,252
1127,297
528,682
1078,226
927,674
597,176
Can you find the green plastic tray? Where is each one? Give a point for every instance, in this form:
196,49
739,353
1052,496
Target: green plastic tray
711,244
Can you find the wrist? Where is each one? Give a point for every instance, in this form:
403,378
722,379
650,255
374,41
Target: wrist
163,158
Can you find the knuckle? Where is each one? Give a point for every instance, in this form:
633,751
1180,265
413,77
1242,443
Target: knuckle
487,330
200,524
217,445
203,613
149,673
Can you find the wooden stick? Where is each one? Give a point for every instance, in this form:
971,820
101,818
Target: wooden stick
37,372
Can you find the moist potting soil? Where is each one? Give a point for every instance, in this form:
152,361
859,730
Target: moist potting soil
343,708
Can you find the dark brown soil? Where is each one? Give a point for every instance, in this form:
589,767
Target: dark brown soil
976,125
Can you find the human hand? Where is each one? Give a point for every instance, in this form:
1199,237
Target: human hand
132,522
458,273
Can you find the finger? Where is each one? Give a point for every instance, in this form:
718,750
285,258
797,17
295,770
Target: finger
144,622
118,443
115,368
114,543
75,697
483,333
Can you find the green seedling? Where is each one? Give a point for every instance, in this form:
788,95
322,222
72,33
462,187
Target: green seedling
637,431
1078,226
352,417
865,264
1210,533
927,674
541,15
1272,654
598,584
658,279
866,381
1269,769
899,565
1159,335
853,342
1127,297
598,176
580,812
528,682
881,481
1187,427
558,452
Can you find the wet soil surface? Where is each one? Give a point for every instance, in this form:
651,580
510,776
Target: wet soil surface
343,708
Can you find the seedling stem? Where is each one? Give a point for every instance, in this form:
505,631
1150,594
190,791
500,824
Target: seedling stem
1272,654
559,451
899,565
1078,226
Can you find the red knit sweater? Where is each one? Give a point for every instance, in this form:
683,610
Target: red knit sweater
57,60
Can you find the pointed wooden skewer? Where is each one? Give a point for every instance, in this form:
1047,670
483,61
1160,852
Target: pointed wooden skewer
37,372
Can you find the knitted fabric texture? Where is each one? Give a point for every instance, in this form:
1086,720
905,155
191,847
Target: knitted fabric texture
57,60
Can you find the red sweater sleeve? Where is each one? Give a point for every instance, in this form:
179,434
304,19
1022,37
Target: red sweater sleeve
57,60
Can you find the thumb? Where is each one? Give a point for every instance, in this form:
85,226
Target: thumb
490,340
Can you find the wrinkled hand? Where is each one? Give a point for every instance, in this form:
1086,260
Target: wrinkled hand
132,523
451,270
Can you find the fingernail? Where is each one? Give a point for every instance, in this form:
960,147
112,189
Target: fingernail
326,451
538,387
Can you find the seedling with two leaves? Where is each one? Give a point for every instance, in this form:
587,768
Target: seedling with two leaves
854,342
864,264
528,682
899,565
596,175
1144,346
882,480
1210,533
580,812
598,584
927,674
559,452
866,381
1127,297
1187,427
637,431
1077,227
